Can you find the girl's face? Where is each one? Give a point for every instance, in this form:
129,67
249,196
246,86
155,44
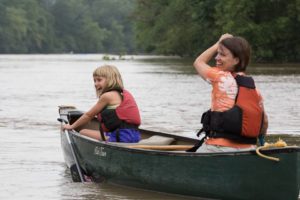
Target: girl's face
225,59
100,83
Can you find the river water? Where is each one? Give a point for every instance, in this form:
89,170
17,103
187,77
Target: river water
170,95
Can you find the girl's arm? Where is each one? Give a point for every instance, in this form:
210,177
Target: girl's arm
89,115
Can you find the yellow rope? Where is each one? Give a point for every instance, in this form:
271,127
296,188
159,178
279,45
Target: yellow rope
279,143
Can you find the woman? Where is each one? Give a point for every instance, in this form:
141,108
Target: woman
236,117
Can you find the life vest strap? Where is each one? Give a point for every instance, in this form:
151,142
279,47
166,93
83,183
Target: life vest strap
125,125
197,145
245,81
101,132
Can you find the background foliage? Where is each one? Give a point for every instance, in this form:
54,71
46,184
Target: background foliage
171,27
63,26
187,27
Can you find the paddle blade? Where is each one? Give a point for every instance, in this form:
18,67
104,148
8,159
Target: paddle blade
75,174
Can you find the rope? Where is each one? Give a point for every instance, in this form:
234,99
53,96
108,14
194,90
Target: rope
279,143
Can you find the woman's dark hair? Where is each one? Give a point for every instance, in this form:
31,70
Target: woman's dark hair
240,49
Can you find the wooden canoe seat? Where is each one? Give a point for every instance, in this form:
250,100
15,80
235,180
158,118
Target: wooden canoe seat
154,140
157,140
161,143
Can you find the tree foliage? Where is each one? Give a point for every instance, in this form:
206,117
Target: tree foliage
187,27
63,26
23,27
171,27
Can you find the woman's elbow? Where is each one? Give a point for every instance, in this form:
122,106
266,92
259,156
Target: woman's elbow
197,64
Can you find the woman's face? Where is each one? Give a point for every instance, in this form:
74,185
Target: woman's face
99,83
225,59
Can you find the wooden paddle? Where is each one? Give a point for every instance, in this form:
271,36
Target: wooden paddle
162,147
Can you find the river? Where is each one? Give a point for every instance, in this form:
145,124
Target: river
170,95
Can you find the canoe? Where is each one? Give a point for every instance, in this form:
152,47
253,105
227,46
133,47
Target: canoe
164,165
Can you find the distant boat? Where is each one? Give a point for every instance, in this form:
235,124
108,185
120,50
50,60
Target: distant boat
163,165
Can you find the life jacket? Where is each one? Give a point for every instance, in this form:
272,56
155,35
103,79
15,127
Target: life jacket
126,115
243,122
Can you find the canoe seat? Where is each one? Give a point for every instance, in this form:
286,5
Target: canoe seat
157,140
153,140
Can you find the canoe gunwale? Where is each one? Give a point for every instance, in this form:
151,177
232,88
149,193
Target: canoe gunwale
66,110
181,153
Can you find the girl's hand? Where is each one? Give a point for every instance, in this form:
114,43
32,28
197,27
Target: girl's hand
67,127
224,36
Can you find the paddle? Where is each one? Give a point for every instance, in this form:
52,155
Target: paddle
72,150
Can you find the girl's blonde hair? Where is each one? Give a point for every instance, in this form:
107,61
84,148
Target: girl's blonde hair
112,76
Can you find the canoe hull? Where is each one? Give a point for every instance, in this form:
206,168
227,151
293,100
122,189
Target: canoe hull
226,176
220,176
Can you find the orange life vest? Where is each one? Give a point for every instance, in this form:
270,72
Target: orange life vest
243,121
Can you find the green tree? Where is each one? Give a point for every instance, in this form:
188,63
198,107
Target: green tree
40,35
13,30
175,26
92,26
91,37
24,27
270,26
114,16
187,27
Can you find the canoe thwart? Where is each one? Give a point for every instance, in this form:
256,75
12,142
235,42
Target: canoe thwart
162,147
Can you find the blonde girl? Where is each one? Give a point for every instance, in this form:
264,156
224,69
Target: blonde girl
116,109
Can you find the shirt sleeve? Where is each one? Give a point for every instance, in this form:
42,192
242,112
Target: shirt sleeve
212,74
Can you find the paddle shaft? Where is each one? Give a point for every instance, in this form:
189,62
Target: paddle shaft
72,150
74,156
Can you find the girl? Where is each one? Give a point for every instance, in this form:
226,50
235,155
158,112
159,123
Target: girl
236,117
116,109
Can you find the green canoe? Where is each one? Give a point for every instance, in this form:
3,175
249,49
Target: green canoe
163,165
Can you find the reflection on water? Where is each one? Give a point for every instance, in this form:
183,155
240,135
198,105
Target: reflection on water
170,95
